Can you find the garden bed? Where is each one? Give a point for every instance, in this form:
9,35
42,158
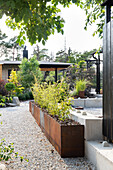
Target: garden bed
67,139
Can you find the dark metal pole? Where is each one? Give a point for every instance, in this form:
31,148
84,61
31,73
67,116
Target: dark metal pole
108,13
56,75
98,75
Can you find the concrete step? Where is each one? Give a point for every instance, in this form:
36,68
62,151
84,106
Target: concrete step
101,157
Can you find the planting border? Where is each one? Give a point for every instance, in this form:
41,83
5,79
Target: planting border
67,140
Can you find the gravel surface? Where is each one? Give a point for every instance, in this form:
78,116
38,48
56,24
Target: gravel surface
20,128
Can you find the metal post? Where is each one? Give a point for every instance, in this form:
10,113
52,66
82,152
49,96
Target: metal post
108,13
107,74
98,75
56,75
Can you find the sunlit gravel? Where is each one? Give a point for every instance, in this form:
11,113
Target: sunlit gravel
18,126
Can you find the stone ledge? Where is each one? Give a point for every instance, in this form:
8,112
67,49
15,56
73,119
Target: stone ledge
92,124
101,157
88,102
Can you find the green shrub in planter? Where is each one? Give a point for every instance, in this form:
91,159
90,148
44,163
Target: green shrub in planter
80,85
51,98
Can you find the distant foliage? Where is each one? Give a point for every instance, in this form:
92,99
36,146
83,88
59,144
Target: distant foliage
29,69
78,72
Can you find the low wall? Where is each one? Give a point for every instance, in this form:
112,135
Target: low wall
92,125
88,102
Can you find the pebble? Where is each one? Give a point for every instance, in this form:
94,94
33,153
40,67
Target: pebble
20,128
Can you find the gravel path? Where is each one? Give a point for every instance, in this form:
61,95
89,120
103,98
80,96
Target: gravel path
20,128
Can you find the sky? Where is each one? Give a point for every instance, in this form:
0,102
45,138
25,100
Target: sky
74,36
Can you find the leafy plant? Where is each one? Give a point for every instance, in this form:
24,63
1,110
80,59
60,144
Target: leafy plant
25,96
10,87
29,69
80,85
4,99
39,19
14,79
2,105
51,97
50,79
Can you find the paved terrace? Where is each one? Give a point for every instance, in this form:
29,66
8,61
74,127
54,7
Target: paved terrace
20,128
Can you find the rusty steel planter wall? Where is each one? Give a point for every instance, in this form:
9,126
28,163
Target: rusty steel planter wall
67,140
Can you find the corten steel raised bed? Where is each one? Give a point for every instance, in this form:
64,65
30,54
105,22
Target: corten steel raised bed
30,106
37,114
67,140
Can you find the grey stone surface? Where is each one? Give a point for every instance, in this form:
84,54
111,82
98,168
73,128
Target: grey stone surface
105,144
21,128
2,167
92,124
11,104
16,101
87,103
77,102
102,157
93,102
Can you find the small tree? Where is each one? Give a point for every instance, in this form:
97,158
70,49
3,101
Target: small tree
10,88
14,79
29,69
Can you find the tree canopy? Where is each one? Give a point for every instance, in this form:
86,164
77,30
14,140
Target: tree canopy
37,19
9,48
28,71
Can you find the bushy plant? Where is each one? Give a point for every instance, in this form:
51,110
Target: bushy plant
10,87
3,90
2,104
50,79
49,96
14,79
29,69
80,85
25,96
22,97
5,99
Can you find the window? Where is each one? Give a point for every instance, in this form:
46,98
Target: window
9,72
